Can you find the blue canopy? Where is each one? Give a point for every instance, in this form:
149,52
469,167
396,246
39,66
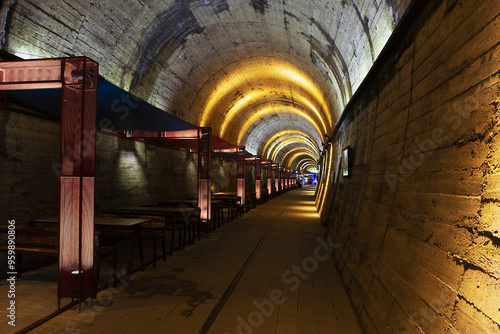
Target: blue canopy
116,109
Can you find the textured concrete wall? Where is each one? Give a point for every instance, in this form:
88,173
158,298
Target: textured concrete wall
417,225
184,55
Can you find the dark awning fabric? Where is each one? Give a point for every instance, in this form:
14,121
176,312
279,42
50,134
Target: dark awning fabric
121,111
116,109
191,144
230,156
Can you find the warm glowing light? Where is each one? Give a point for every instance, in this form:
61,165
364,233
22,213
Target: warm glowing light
287,142
284,142
314,109
306,84
326,171
303,161
269,110
295,156
298,155
303,150
257,70
242,103
308,167
283,134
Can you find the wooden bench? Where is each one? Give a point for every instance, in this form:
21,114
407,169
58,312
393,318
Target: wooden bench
44,240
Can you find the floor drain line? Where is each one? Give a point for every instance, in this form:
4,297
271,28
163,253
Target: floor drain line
230,289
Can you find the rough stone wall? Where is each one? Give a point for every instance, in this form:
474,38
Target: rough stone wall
29,187
417,225
223,175
128,172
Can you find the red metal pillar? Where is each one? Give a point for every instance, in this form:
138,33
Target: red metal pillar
258,178
269,178
287,179
77,77
240,177
282,178
277,178
76,226
204,169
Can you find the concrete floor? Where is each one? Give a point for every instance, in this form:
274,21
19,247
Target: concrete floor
267,272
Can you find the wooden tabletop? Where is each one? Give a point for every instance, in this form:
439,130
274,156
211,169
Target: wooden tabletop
186,201
225,196
153,210
104,221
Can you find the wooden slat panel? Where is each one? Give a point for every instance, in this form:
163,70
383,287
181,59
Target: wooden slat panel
69,236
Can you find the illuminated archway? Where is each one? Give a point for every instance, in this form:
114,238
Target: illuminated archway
277,139
242,73
284,143
303,150
261,114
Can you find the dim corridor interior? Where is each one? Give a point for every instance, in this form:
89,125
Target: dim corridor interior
266,272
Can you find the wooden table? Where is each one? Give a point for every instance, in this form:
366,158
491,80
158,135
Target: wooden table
215,206
171,213
134,224
230,201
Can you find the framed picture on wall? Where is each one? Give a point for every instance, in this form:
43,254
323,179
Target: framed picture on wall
346,162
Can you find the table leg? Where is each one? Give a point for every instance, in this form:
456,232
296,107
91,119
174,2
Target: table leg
141,251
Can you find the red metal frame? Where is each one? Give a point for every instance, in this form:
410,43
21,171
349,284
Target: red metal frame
269,177
258,178
202,145
77,77
240,176
282,178
204,171
277,177
285,186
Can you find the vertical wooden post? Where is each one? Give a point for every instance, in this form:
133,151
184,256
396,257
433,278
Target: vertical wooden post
240,177
79,78
204,171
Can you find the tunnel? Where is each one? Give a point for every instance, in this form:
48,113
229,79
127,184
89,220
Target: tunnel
392,105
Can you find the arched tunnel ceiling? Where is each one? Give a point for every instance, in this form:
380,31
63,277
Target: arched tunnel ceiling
249,69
